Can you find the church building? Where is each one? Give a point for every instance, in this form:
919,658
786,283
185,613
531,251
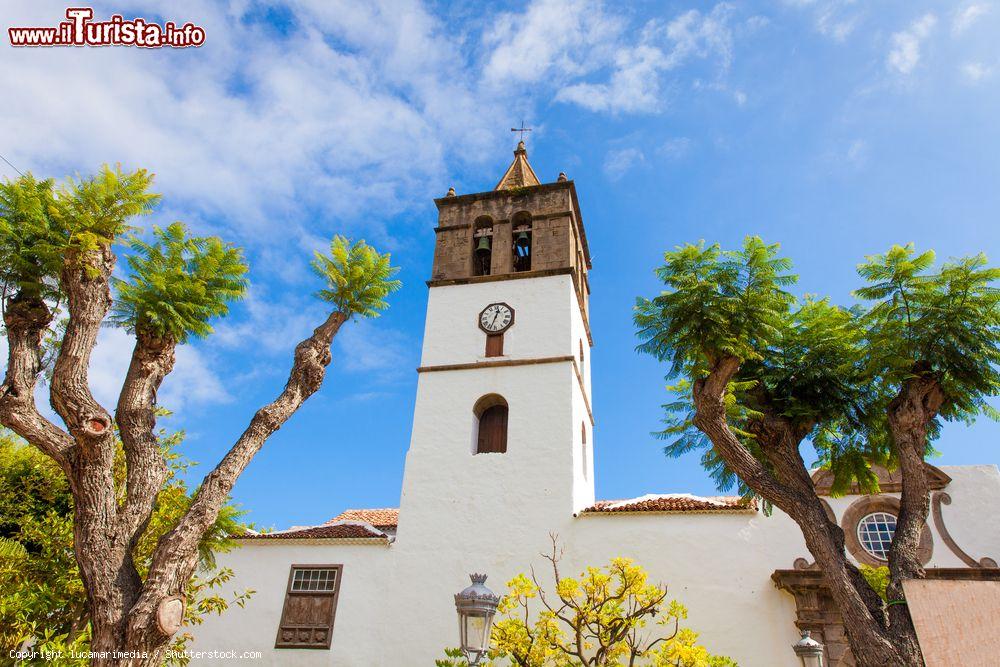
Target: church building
501,456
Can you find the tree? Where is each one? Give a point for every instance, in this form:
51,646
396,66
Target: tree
606,616
58,248
42,599
757,371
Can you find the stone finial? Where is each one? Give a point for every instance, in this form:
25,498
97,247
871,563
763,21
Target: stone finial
520,148
451,192
562,176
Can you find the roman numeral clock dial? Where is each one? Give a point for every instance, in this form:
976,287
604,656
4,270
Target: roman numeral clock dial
496,318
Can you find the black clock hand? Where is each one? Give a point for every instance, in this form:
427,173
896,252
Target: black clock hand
495,315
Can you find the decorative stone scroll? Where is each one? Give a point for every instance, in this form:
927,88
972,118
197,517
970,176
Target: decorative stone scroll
942,498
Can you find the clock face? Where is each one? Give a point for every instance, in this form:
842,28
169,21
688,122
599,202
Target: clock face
496,317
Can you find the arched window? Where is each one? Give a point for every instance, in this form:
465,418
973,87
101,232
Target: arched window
491,424
482,245
521,230
582,358
583,437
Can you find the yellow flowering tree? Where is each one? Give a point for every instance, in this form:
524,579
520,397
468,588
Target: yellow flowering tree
609,615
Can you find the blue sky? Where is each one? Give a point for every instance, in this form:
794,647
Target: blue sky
836,128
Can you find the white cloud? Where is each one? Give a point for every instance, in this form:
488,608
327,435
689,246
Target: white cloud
633,86
964,18
834,26
857,152
975,72
567,44
550,38
675,148
905,53
618,162
192,383
334,128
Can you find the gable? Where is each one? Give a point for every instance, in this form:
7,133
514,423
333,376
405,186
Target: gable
889,481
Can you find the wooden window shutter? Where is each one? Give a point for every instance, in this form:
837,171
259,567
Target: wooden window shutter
310,607
493,431
494,345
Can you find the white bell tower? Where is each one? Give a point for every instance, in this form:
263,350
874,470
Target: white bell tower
502,440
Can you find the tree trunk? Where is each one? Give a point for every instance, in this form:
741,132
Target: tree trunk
873,643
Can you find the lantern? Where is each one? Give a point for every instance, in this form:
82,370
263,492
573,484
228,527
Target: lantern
809,650
476,606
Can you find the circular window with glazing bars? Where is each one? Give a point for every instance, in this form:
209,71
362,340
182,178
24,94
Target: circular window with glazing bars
875,533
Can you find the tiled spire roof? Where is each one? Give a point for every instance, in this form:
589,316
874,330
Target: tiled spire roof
519,174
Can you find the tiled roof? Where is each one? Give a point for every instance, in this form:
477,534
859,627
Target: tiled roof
387,517
674,502
341,530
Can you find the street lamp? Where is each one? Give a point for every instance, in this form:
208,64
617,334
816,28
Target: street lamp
476,606
809,650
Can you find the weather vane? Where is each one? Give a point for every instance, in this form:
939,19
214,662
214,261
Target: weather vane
521,130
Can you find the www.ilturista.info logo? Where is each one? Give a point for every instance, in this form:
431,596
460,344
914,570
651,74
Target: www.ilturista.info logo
80,30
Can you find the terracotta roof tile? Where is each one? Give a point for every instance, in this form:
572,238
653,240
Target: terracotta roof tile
386,517
345,530
674,502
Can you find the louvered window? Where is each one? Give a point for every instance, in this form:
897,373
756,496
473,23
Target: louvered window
310,607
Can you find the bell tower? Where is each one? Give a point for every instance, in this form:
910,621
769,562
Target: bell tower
502,426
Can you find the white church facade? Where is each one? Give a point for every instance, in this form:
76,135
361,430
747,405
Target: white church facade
501,457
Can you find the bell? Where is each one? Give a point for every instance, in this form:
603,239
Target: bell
523,241
484,245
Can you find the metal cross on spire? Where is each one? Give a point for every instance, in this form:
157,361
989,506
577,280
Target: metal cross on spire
521,130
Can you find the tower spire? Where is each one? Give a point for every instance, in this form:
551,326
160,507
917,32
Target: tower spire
519,174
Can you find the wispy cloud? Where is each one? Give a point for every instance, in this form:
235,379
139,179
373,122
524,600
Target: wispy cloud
620,161
675,148
193,382
965,17
634,83
975,72
905,52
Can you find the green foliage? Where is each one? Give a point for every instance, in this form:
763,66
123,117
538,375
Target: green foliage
831,371
877,578
358,278
945,324
93,212
42,227
41,594
178,283
31,246
455,658
719,303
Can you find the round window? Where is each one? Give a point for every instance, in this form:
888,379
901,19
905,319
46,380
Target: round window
875,533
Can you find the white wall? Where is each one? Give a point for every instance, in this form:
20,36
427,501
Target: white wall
264,567
396,605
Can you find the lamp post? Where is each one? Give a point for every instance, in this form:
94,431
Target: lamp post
476,606
809,650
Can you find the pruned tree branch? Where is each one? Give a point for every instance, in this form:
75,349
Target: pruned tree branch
175,557
84,280
26,319
146,469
